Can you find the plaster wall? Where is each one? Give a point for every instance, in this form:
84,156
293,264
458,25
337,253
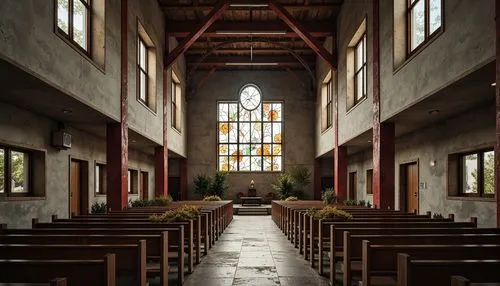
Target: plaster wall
142,119
177,139
467,43
202,126
28,28
358,119
324,138
472,130
22,128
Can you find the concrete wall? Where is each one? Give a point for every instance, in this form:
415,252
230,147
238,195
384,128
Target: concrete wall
142,119
27,29
324,138
358,119
22,128
202,128
468,42
177,139
469,131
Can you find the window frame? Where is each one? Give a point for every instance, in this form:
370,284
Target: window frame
141,70
363,69
427,35
262,143
8,174
328,105
174,104
102,179
69,36
480,171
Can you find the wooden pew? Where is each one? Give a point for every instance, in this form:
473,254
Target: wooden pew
379,262
319,229
77,272
130,258
337,238
353,245
188,231
438,272
53,282
462,281
145,219
157,242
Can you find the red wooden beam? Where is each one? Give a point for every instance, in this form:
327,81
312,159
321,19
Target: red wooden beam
225,29
497,90
117,133
383,133
284,15
290,7
216,12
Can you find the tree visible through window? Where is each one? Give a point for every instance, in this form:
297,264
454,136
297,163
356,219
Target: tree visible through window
250,133
424,19
14,171
73,20
477,174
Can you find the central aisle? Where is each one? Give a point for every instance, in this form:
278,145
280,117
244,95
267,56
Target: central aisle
253,251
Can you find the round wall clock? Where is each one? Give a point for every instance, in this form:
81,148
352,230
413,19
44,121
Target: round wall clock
250,96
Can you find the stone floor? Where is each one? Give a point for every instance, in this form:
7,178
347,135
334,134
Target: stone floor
253,251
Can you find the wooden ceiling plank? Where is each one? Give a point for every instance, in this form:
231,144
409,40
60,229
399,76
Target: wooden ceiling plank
214,14
303,33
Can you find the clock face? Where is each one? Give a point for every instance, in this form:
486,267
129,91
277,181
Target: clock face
250,97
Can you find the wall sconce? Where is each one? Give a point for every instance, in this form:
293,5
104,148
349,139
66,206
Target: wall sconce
433,163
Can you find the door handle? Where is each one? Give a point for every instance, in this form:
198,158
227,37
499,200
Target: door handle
415,194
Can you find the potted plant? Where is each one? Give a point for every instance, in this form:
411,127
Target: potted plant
328,196
284,186
301,177
202,184
219,184
212,198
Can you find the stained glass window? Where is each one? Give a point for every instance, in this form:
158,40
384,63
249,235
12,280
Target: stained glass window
250,140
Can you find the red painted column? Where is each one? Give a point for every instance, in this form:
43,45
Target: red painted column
317,179
183,179
497,131
340,171
117,133
383,133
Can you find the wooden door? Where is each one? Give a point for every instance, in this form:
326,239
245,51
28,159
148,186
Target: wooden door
75,190
353,182
409,187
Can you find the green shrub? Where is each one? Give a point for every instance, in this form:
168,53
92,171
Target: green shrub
162,201
362,203
140,203
301,177
329,196
291,199
328,212
283,186
98,208
219,184
183,213
437,216
212,198
202,185
368,204
350,203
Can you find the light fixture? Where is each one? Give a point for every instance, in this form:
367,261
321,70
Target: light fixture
248,5
252,184
251,64
434,111
494,84
432,163
133,141
250,32
67,111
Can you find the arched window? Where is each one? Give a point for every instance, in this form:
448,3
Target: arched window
250,134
